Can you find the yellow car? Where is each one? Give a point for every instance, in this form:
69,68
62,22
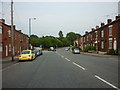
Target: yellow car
27,55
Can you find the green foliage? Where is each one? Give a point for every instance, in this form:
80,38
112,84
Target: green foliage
65,42
60,34
49,41
76,47
111,52
89,48
71,36
34,36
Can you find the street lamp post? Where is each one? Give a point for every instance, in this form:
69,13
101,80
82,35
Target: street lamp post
30,30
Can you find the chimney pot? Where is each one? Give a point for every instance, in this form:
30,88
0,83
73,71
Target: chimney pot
2,20
109,21
117,17
86,32
93,29
97,27
102,24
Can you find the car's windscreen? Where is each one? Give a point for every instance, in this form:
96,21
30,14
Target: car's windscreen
26,52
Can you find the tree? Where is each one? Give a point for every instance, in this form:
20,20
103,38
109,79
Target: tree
60,34
34,36
71,36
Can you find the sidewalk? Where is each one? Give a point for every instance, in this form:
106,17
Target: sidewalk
100,55
9,59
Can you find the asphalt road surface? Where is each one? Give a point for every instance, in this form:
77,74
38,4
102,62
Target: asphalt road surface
62,69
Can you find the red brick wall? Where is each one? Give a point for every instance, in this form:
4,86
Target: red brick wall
20,40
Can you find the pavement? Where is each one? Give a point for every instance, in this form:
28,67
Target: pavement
8,61
100,55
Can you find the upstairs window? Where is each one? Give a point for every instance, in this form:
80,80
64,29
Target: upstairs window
0,47
9,33
110,30
0,29
102,33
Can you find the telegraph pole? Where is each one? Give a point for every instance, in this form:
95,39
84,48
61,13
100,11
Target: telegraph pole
12,31
2,11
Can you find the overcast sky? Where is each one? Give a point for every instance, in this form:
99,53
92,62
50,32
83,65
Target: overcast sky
51,17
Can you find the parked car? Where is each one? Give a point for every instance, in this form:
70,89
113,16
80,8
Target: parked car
76,51
27,55
37,52
66,49
51,49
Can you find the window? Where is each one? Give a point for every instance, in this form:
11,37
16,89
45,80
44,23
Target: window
91,37
110,30
102,33
9,47
96,35
110,43
102,44
0,47
84,39
87,38
9,33
0,29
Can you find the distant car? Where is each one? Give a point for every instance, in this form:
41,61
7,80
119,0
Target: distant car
76,51
27,55
51,49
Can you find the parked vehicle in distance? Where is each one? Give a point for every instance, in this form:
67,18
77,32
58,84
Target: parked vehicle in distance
51,49
37,52
27,55
76,51
66,49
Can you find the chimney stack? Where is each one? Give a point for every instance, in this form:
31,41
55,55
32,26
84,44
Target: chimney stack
109,21
93,29
97,27
102,24
19,30
86,32
117,17
2,20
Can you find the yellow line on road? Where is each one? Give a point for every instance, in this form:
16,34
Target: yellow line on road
1,70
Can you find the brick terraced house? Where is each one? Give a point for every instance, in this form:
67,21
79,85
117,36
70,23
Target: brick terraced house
104,37
20,40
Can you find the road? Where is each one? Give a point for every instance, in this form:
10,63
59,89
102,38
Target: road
62,69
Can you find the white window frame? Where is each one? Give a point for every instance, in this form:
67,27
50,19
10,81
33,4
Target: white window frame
110,43
0,29
102,33
87,37
10,48
102,44
9,33
110,30
0,47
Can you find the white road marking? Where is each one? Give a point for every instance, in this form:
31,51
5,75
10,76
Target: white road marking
78,65
67,59
106,82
